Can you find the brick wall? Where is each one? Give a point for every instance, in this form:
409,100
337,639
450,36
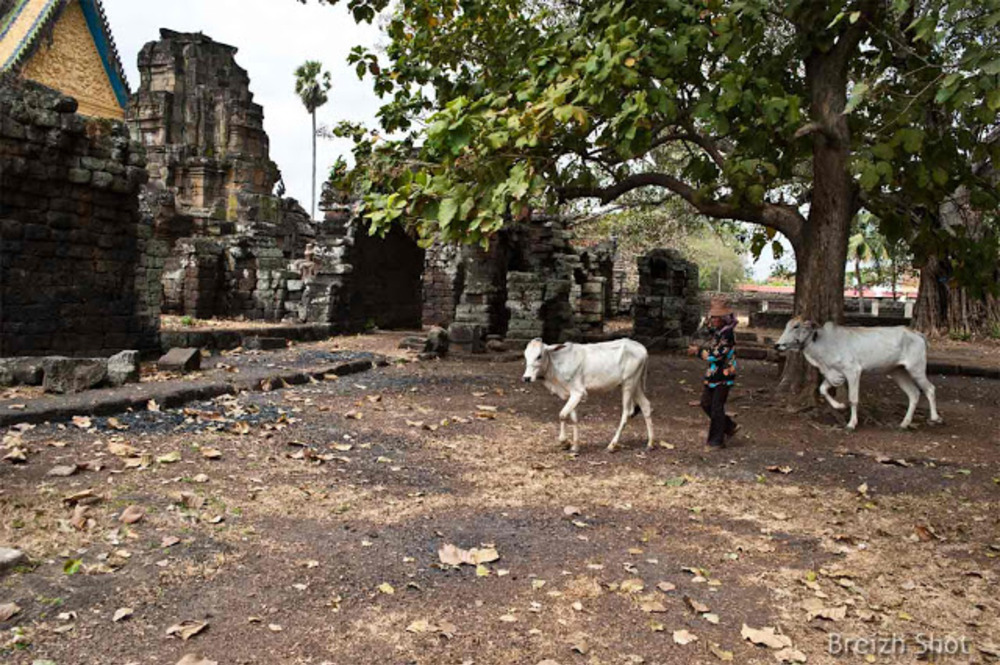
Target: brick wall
71,234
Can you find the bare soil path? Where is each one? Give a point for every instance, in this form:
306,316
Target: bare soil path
303,525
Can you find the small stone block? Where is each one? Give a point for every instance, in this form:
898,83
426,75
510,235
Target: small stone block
180,360
73,375
123,368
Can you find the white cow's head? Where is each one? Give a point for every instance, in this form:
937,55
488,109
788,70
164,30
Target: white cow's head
797,334
535,360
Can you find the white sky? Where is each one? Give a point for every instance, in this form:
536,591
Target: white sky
273,37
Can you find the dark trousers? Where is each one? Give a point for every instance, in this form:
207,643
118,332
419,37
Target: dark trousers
713,403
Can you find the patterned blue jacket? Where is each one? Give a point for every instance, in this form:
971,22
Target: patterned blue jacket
720,353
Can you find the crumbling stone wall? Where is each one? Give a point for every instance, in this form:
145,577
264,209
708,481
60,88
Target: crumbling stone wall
228,241
355,280
72,269
666,306
444,283
531,282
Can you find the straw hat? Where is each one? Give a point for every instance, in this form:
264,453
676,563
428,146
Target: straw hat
720,307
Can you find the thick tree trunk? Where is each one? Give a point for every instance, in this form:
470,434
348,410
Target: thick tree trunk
943,306
928,311
821,251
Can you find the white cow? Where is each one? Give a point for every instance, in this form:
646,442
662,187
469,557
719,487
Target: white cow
572,370
842,354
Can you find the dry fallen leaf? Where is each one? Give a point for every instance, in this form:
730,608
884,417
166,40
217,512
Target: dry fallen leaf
86,496
815,611
16,455
421,626
79,518
666,587
187,629
454,556
131,515
651,605
192,501
683,637
211,453
63,471
386,588
114,423
122,614
696,606
8,610
119,449
765,636
83,422
580,643
151,405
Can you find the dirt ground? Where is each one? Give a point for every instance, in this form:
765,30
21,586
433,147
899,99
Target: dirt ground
304,525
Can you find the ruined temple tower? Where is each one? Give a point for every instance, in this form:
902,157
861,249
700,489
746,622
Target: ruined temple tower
65,45
225,240
204,134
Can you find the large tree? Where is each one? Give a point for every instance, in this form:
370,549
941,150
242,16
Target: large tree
756,110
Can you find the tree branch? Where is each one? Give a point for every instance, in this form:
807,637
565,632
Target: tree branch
783,218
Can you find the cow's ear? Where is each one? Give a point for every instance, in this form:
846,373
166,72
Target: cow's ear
557,347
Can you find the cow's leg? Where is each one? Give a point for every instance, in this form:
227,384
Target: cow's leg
627,406
824,390
853,388
567,410
919,375
902,378
574,419
647,414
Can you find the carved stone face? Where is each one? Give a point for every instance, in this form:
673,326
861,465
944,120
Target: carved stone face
534,361
796,335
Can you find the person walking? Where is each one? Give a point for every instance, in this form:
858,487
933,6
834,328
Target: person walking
720,352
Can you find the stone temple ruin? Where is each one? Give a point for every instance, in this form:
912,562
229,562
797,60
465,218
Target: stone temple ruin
225,241
530,283
179,210
666,309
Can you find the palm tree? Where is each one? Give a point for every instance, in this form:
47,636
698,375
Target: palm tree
312,85
866,244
